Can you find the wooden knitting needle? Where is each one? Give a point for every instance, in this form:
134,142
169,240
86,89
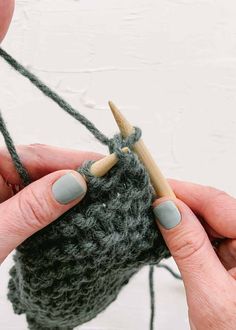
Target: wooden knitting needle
160,184
102,166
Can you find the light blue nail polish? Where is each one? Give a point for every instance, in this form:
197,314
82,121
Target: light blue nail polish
67,188
167,214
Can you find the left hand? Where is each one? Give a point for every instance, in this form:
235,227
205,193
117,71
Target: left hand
56,187
6,12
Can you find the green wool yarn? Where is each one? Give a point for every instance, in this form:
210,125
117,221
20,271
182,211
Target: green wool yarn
73,269
67,273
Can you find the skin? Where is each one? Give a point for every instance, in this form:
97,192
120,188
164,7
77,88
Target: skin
6,12
209,274
206,214
26,210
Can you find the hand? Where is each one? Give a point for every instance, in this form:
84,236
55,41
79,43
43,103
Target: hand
6,12
188,224
56,188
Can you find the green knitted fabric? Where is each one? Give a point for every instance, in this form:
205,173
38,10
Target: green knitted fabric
73,269
67,273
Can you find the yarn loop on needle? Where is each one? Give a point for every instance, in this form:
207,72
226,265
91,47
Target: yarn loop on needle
70,271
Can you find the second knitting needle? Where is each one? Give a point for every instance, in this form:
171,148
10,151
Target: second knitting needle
159,183
102,166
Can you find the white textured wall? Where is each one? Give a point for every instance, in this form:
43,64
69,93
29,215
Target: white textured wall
169,64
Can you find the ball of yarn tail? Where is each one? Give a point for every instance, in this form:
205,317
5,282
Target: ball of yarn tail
74,268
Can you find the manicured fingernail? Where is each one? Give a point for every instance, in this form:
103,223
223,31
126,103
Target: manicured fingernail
67,188
167,214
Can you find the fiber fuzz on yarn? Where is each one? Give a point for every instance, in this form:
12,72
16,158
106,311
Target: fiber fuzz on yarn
74,268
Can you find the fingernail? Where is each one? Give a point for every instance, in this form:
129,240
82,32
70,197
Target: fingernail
167,214
67,188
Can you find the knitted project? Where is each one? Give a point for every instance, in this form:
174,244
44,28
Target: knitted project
67,273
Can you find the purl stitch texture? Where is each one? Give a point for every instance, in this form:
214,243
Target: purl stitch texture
74,268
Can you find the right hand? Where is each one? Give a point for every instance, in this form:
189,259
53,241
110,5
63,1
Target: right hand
188,224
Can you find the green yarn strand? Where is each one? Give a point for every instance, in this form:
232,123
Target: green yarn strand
54,96
23,173
152,297
126,185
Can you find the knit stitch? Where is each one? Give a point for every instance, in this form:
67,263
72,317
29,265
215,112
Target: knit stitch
74,268
67,273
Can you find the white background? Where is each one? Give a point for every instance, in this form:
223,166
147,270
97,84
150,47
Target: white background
169,65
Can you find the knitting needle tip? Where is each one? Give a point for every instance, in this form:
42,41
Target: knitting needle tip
125,128
102,166
159,183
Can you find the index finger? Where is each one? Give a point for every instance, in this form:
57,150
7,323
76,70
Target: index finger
216,207
41,159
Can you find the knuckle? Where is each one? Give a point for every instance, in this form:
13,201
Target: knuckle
215,194
186,245
217,199
36,149
37,146
34,209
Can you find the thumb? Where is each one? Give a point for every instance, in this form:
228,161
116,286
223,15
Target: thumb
188,244
36,206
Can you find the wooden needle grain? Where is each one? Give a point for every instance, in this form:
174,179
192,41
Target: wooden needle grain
159,183
102,166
